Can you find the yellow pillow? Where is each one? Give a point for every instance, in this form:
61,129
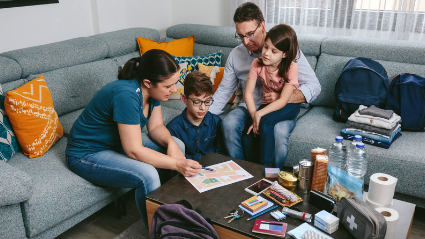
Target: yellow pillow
208,70
33,118
179,47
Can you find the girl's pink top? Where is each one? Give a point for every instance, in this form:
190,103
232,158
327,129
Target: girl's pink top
271,80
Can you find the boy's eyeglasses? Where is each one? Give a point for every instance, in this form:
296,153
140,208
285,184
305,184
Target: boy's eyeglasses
248,36
200,102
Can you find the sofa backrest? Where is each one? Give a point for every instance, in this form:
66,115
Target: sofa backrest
73,69
396,57
212,39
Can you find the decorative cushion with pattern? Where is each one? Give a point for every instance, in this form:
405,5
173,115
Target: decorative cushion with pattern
208,60
8,143
33,117
180,83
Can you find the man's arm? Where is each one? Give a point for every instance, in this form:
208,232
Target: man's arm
227,87
309,84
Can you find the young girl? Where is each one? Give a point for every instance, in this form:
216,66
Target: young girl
278,72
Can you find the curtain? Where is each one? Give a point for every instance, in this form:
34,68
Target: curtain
386,19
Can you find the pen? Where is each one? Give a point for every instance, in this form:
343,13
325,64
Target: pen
261,213
210,169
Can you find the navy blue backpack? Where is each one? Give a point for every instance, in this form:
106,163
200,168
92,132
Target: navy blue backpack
362,81
406,97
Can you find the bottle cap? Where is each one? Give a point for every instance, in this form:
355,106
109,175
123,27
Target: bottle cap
360,145
339,139
357,137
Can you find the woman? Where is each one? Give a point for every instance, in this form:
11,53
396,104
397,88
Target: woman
106,145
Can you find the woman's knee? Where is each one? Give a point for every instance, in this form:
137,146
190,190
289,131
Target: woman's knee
148,178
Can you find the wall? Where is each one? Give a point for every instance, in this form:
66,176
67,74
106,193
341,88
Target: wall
28,26
215,12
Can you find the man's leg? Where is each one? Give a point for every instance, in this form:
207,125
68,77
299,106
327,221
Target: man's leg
234,125
282,131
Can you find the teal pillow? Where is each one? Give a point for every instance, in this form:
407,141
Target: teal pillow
208,60
8,143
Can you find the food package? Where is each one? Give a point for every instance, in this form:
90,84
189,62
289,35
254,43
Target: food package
320,173
342,184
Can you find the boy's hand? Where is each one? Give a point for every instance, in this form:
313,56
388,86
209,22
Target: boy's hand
188,167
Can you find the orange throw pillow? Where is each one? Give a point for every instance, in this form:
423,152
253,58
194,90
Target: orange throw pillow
179,47
33,118
218,77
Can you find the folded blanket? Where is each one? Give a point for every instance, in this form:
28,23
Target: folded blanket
372,129
372,141
371,136
374,121
376,112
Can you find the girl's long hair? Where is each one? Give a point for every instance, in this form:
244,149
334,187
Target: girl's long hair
284,38
154,65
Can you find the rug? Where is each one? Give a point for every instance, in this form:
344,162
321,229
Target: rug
135,231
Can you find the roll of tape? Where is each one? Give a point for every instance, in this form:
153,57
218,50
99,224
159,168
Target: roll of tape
391,216
381,188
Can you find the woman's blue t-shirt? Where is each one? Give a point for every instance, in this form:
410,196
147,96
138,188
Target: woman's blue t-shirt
96,129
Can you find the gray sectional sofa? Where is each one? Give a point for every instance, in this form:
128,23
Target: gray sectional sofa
41,197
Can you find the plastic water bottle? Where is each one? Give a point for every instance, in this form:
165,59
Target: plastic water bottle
352,145
357,162
338,153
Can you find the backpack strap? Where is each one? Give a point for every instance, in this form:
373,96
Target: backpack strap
187,204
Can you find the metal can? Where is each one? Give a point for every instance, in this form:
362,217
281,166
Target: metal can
287,180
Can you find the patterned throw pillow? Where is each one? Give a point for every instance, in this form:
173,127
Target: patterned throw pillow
209,60
180,83
8,143
33,118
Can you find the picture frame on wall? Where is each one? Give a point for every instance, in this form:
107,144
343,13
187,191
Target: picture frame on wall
23,3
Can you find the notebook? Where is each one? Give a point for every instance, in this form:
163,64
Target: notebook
271,228
269,204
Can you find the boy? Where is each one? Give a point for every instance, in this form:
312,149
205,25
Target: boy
199,129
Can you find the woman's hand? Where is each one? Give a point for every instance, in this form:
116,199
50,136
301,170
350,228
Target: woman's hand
188,167
174,151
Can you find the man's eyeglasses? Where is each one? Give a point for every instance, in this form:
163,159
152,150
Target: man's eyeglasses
248,36
200,102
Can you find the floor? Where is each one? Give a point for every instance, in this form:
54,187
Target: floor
104,224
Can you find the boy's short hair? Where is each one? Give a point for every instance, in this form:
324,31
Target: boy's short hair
248,12
197,83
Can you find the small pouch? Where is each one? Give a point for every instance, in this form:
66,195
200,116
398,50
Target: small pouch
361,220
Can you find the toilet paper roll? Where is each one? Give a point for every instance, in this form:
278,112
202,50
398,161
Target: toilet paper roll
391,216
381,188
376,205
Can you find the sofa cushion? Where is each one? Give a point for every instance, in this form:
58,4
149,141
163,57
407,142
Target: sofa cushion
317,129
179,47
15,186
310,43
39,59
11,222
55,189
33,117
69,87
67,121
122,42
121,60
378,49
10,70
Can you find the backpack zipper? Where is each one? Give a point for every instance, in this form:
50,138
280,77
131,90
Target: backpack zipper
374,219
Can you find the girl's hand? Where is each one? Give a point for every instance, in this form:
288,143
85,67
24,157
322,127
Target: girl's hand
256,122
174,151
188,167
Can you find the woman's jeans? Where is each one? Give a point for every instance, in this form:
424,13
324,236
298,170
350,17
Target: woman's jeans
267,136
113,169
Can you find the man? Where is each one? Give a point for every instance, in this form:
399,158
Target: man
251,31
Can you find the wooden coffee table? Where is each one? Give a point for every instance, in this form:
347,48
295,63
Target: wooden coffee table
216,203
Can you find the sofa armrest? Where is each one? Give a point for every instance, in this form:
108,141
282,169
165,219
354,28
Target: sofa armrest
15,185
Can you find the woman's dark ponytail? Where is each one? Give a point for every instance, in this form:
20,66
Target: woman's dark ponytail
128,71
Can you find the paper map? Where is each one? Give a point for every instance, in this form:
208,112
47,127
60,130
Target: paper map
224,174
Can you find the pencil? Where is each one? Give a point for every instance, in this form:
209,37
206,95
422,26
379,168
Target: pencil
210,169
261,213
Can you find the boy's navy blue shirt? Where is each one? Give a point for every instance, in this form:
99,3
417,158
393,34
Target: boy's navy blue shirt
199,140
